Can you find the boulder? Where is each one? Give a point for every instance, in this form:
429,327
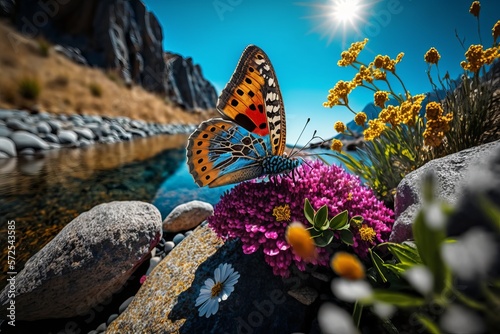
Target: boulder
166,301
67,137
90,259
187,216
24,139
8,147
451,173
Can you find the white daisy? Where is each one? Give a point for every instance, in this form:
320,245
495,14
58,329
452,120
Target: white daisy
216,290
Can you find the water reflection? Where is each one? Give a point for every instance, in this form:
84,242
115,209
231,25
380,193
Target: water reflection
43,194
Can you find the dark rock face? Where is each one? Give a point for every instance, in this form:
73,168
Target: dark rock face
114,34
186,85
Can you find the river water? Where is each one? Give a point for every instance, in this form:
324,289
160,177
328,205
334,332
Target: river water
44,194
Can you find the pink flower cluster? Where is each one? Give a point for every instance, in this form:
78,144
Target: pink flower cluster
246,212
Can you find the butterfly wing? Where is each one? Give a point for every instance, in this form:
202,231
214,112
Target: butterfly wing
221,152
253,100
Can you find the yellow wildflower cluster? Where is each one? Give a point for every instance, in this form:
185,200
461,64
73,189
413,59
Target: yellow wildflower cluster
367,233
282,213
387,63
475,8
477,57
349,57
347,266
360,118
495,31
380,97
338,95
410,109
432,56
437,124
336,145
364,74
375,129
339,127
406,113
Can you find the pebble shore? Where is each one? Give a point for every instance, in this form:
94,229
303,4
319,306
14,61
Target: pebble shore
24,133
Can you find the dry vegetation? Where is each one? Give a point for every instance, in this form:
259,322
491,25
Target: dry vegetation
68,88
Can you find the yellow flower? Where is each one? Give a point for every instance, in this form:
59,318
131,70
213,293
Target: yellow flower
367,233
375,129
348,57
282,213
336,145
386,62
432,56
338,95
399,57
299,238
360,118
380,97
347,266
495,31
475,8
490,55
474,56
437,125
379,74
339,127
390,115
410,109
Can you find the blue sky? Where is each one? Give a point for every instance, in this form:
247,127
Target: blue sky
304,44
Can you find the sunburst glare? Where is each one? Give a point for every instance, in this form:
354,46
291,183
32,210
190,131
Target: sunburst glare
337,18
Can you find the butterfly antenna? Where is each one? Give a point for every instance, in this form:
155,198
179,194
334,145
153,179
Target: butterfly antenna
301,132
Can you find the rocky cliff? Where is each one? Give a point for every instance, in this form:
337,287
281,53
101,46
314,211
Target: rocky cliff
114,34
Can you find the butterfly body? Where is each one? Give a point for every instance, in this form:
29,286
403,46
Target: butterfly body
249,140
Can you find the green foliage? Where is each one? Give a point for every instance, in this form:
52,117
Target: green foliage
392,284
95,89
29,88
323,229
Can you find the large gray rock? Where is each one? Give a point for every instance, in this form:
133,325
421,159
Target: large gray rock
8,147
90,259
187,216
67,137
165,303
451,173
24,139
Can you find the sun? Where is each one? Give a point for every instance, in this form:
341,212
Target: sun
337,17
345,11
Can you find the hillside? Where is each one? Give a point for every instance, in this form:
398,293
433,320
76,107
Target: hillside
69,88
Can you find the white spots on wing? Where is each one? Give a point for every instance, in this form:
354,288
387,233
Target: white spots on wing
260,61
276,108
269,108
271,96
270,82
267,67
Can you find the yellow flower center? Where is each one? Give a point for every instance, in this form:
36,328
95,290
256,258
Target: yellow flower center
347,266
367,233
282,213
336,145
300,239
216,289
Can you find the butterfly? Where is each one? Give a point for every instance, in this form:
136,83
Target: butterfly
248,141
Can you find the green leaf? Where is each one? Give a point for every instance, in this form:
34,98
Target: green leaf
356,313
347,237
324,239
321,218
378,264
429,241
428,324
404,253
339,221
308,211
356,220
397,299
399,268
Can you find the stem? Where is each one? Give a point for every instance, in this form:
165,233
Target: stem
401,82
479,30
